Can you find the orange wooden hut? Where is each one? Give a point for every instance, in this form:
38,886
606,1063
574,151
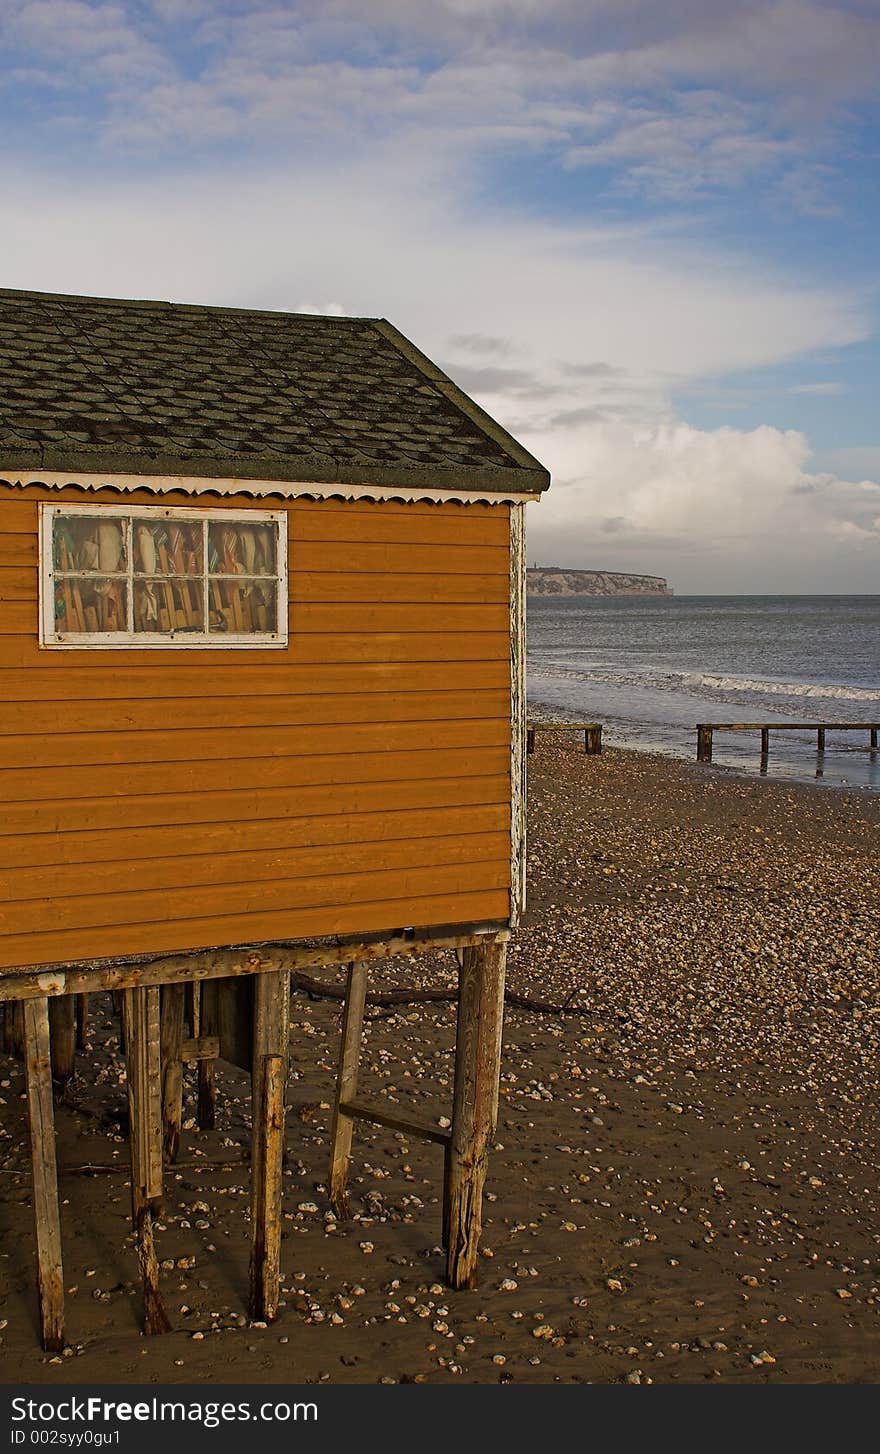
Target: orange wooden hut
261,706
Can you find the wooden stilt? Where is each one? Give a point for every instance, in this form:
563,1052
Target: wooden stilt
7,1027
62,1037
346,1083
268,1080
47,1218
593,740
704,742
118,997
82,1021
475,1104
206,1113
142,1039
171,1040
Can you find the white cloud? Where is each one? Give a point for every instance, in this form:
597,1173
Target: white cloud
573,338
679,100
714,510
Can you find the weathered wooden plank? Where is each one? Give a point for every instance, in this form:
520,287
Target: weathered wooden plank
52,678
144,1079
301,803
373,586
788,726
372,617
201,967
141,1018
358,1110
19,648
475,1104
445,522
269,1078
398,559
264,834
171,1045
71,881
200,1047
62,1037
346,1081
184,903
177,745
18,583
471,526
205,1020
197,713
19,550
47,1218
82,1021
124,780
156,1319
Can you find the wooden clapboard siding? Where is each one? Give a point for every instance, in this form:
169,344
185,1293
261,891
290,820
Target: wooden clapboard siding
354,781
305,648
175,744
126,877
103,714
345,681
84,847
21,821
176,936
123,780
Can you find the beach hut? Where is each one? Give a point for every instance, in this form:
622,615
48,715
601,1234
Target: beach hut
261,706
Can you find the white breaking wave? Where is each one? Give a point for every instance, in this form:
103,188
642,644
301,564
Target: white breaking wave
697,682
781,689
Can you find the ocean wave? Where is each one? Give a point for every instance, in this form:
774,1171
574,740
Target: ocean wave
697,683
771,688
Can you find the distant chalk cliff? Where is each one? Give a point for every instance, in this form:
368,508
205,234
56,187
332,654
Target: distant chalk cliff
552,580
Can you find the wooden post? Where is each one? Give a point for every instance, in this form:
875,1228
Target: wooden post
13,1030
206,1112
47,1218
873,739
144,1066
820,739
704,743
346,1083
171,1039
268,1081
765,741
593,740
62,1037
530,739
82,1021
475,1103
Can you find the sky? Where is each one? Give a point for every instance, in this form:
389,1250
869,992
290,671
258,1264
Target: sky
643,236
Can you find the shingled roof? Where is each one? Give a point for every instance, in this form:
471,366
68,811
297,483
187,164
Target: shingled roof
104,385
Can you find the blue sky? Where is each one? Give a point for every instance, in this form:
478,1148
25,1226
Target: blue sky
643,236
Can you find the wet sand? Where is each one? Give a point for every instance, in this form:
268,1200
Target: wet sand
685,1182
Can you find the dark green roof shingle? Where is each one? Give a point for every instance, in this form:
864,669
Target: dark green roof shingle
108,385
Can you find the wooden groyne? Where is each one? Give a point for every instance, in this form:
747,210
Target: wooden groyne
592,734
705,731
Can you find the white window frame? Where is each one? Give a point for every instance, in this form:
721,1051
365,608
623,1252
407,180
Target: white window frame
178,640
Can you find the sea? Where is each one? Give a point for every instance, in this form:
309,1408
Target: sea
649,668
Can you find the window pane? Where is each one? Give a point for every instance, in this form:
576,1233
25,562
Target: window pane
162,604
90,604
241,550
242,610
88,543
168,547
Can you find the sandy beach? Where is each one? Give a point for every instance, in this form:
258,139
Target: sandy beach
685,1182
